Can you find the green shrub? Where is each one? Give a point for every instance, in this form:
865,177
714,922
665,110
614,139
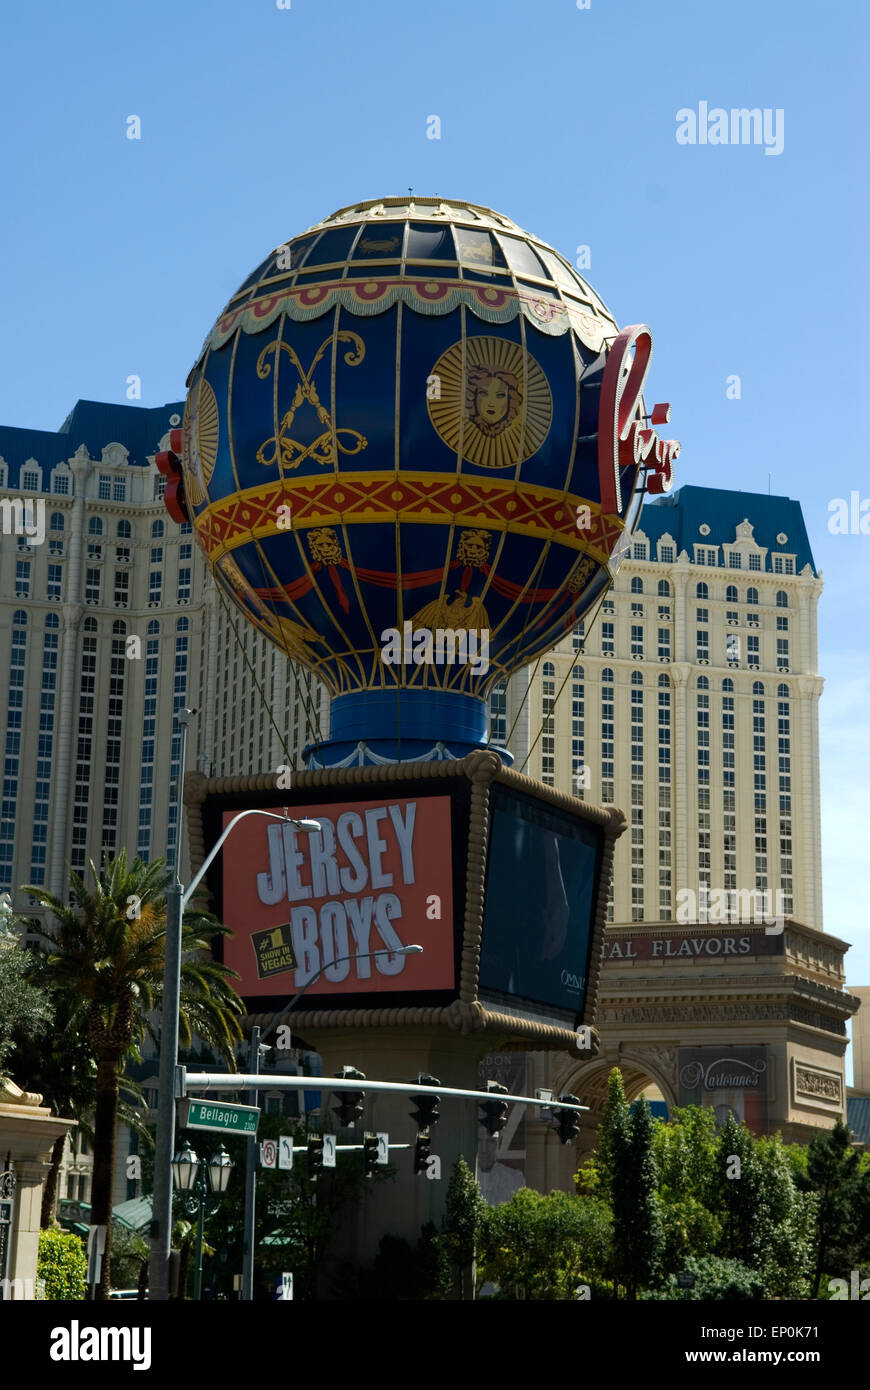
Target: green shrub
62,1265
715,1278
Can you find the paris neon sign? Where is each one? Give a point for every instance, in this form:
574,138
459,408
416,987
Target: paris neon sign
624,439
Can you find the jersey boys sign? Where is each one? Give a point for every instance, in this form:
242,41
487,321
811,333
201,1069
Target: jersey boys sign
341,900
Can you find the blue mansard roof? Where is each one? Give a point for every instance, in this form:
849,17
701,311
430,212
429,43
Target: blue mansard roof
94,424
682,513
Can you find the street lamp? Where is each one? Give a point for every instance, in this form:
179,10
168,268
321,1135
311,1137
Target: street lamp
189,1173
176,901
251,1151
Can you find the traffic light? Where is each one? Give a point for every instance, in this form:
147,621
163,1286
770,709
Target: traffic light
350,1103
315,1157
427,1112
493,1113
567,1121
421,1151
370,1154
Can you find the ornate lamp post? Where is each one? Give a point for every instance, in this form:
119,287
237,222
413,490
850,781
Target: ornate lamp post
189,1173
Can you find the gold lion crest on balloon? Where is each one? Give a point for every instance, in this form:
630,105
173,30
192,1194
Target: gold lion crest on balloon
490,402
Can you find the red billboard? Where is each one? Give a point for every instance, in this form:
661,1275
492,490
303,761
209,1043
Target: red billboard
341,900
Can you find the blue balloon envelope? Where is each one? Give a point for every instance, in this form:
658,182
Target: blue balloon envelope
390,458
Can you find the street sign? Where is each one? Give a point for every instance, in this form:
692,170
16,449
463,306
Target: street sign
210,1114
285,1288
383,1147
685,1280
268,1153
329,1150
285,1151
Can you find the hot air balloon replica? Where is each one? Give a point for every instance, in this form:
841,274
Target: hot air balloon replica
413,452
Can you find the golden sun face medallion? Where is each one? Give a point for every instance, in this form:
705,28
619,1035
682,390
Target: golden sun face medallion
491,402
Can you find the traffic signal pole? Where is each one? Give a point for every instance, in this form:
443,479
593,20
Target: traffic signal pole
250,1181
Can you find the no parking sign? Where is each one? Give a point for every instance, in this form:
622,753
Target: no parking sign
268,1153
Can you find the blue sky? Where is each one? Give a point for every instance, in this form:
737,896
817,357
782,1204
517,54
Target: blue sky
116,255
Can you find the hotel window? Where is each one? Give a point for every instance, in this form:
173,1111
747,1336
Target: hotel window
664,644
781,623
607,638
61,484
664,588
607,729
735,559
159,487
578,635
155,586
104,489
666,554
122,588
638,550
755,562
752,595
731,594
119,489
732,647
702,615
781,652
17,661
781,598
706,555
157,554
84,750
702,591
637,610
607,606
22,579
498,713
55,539
578,708
183,595
124,530
29,481
548,693
665,610
753,653
636,585
636,639
157,530
703,640
92,586
55,578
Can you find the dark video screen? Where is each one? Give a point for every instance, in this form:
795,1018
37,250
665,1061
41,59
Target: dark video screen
541,889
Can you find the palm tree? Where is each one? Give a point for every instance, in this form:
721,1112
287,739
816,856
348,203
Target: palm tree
106,956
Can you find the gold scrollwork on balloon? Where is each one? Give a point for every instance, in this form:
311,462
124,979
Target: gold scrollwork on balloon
289,452
200,433
493,403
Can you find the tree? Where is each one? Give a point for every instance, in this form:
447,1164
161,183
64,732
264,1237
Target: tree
638,1240
106,958
596,1177
23,1005
463,1215
737,1194
57,1061
63,1265
833,1173
785,1223
543,1247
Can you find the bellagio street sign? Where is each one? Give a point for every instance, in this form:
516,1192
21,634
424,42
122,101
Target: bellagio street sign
209,1114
